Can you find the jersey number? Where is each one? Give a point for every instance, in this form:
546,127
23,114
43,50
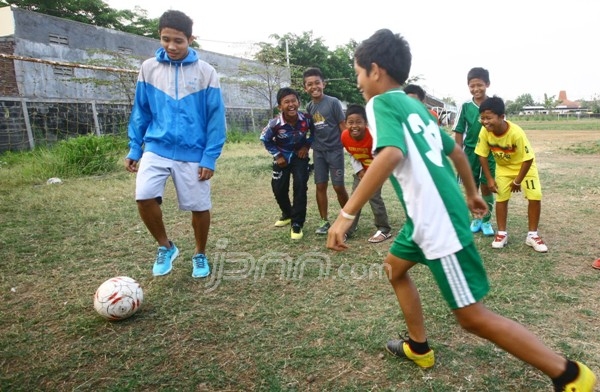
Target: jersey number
431,134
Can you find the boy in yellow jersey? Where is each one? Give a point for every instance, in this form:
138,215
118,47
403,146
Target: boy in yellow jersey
515,170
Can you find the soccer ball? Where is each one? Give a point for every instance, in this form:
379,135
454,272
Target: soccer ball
118,298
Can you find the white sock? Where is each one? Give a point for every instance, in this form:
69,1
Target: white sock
502,232
532,234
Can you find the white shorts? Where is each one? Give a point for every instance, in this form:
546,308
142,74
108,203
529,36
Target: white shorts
152,175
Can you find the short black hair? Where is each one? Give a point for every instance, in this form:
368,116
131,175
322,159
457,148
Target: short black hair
312,71
176,20
479,73
355,108
284,92
494,104
415,89
389,51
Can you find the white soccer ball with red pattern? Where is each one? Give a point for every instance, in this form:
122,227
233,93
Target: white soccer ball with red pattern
118,298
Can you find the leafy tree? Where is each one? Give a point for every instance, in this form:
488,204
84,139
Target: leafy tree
266,76
302,51
516,106
550,102
94,12
306,51
337,65
593,105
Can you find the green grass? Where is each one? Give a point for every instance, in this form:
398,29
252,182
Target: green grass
550,123
275,315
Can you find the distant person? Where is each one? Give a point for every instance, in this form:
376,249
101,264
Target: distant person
415,91
288,137
177,130
413,153
516,170
328,152
358,142
466,131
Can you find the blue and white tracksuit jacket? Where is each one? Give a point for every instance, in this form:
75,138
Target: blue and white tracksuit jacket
178,111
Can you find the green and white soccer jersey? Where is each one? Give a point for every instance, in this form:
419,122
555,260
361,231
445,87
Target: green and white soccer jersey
424,180
467,122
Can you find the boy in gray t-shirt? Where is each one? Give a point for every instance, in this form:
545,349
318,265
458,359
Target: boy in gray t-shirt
328,152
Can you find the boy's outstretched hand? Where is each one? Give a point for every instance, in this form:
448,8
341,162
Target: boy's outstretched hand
337,233
477,205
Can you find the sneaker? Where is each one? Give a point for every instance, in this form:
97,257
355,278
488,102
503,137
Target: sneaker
323,228
400,348
296,232
200,267
537,244
585,381
283,222
475,225
164,259
500,241
487,229
596,264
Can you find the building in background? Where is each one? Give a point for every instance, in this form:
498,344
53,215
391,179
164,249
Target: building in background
61,78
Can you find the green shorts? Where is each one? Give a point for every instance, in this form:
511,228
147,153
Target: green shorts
478,174
460,277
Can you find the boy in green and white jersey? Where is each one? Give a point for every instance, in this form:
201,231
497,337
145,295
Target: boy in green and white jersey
413,152
466,131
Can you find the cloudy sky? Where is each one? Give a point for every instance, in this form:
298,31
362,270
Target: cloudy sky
529,46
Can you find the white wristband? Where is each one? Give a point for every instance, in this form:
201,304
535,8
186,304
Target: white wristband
346,215
515,184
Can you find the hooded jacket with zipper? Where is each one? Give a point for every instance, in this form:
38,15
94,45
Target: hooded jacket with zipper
178,111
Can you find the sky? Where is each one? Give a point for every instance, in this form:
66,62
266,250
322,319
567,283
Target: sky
529,46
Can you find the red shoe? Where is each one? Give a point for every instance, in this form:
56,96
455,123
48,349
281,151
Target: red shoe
596,264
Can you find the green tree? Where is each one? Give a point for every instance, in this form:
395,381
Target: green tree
266,76
94,12
592,106
306,51
514,107
550,102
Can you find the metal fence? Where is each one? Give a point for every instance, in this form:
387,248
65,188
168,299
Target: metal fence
26,123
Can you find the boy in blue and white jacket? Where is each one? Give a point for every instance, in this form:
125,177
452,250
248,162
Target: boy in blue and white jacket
176,129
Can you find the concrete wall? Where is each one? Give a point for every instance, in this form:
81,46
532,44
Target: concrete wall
50,38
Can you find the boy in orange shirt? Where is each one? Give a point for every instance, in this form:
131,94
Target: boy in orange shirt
357,140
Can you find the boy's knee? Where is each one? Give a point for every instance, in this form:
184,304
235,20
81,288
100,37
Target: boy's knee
471,319
340,189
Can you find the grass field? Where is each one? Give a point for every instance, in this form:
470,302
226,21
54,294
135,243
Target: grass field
277,315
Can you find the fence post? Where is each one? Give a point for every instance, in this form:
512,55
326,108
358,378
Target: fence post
96,123
27,123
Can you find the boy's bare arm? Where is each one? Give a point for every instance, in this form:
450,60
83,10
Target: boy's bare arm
525,166
485,167
458,138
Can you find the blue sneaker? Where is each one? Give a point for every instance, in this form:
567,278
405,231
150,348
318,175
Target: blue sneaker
487,229
200,267
164,259
475,225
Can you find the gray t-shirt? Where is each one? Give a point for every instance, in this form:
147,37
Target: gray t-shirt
327,115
